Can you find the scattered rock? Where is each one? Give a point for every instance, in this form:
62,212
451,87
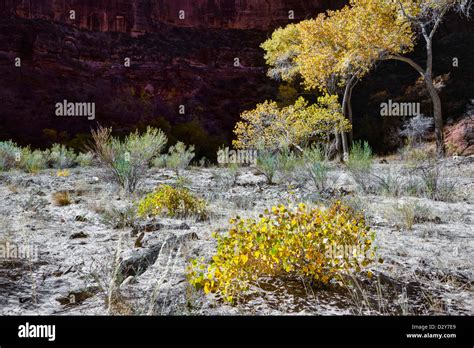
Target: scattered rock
135,262
156,226
78,235
75,298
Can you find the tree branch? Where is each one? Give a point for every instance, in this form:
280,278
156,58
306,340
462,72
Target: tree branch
409,61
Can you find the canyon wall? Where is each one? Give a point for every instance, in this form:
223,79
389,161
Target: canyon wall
139,16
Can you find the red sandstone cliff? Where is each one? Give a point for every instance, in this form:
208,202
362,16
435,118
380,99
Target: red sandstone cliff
138,16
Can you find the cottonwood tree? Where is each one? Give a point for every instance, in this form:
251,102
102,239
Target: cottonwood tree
345,45
333,47
379,38
282,52
329,54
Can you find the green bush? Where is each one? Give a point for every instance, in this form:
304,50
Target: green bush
179,157
267,164
10,155
60,157
128,160
317,167
85,159
33,161
360,163
287,163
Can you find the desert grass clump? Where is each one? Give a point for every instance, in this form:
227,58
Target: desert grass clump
120,217
404,215
360,164
172,202
287,164
436,184
62,198
390,184
179,157
298,242
128,159
267,164
316,167
428,178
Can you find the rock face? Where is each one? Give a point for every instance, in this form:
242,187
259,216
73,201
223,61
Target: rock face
171,68
139,16
460,137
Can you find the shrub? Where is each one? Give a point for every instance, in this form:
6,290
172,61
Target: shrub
297,242
128,160
174,202
360,163
414,155
267,164
287,163
316,166
33,161
10,155
120,218
85,159
60,157
179,157
435,184
405,214
276,128
390,184
416,128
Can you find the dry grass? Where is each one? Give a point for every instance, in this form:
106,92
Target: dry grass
62,198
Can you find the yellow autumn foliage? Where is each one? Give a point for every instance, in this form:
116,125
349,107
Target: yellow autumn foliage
284,241
271,127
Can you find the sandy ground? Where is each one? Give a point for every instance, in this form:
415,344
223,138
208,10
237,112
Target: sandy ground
427,270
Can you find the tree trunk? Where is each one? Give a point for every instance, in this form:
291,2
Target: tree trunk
338,144
438,117
437,109
345,148
350,113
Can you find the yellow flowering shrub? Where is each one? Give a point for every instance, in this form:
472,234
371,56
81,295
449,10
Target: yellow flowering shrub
310,242
270,127
173,202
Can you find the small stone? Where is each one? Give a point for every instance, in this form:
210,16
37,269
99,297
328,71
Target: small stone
78,235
